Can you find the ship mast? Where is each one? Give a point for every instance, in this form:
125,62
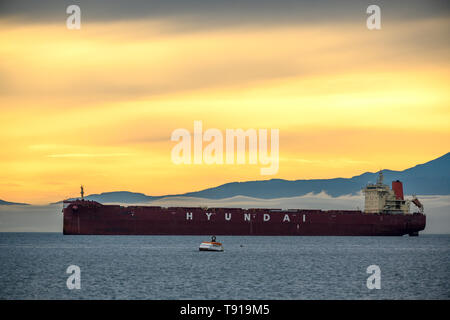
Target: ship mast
380,178
82,192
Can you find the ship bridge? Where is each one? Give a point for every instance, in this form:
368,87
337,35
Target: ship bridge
379,198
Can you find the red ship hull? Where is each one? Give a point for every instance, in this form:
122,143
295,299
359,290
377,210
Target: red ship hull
92,218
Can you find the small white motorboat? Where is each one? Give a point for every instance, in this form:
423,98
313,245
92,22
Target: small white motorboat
211,245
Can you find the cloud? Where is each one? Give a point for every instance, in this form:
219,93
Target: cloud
118,62
89,155
138,70
193,14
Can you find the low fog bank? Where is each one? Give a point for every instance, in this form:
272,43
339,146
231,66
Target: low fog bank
309,201
18,218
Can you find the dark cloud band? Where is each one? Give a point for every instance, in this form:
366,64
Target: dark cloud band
221,12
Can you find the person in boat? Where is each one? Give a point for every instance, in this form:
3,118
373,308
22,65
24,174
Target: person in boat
213,239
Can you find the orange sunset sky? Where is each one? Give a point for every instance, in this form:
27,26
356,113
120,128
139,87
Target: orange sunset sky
97,106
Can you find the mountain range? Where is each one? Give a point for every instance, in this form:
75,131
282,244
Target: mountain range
430,178
7,203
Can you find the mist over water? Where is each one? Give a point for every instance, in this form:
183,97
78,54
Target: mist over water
171,267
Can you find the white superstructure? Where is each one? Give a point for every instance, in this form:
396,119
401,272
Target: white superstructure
379,198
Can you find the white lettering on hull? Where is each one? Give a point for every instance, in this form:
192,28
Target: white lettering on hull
247,217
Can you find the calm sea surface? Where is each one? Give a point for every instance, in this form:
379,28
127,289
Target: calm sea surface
33,266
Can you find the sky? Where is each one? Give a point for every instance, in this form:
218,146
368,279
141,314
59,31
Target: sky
97,106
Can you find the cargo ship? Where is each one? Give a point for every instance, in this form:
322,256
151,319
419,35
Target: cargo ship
386,213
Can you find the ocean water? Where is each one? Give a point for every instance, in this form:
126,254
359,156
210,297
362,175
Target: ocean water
33,266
